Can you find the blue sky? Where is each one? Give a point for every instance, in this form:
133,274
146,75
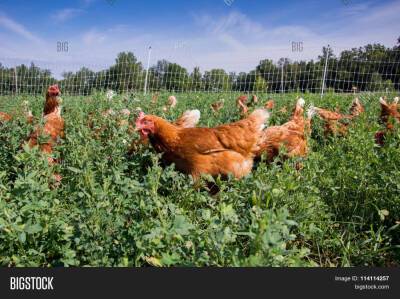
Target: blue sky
232,34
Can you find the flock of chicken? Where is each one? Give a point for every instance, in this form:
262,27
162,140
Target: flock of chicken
228,149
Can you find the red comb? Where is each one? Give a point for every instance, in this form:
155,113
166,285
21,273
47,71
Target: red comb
140,117
53,90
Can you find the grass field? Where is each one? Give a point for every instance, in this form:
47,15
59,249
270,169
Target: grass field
113,209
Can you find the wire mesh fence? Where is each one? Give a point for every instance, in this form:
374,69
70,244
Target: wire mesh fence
373,68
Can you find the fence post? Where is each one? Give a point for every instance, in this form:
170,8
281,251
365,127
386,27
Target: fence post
324,77
282,78
16,80
147,70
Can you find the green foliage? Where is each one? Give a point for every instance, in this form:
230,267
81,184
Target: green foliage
377,83
113,209
260,85
176,77
373,67
217,80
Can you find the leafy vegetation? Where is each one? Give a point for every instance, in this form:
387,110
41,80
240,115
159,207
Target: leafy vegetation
114,209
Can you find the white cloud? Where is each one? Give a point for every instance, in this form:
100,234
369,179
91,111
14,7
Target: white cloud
234,22
17,28
233,41
355,9
295,32
238,42
93,37
66,14
386,13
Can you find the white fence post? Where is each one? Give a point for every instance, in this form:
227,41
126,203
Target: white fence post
282,89
16,80
324,77
147,70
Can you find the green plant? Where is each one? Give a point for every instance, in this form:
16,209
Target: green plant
113,209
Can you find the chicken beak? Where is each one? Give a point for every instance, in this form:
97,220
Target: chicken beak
138,125
138,122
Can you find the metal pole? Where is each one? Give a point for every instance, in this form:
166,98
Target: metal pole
326,64
147,70
16,80
282,79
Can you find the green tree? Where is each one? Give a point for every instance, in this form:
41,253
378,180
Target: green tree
260,85
127,73
196,80
217,80
176,78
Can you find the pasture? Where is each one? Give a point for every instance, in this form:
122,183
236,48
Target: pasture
115,208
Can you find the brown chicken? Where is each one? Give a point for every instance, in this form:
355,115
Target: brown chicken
356,108
269,105
53,128
171,103
389,115
30,119
291,135
5,117
154,98
188,119
223,150
27,113
389,111
241,104
337,123
242,98
254,100
217,105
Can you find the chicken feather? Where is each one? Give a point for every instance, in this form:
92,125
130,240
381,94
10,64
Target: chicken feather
223,150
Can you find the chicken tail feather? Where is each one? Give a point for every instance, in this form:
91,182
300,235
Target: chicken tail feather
311,111
189,119
301,102
261,116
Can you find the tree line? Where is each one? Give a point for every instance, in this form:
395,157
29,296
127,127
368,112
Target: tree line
373,67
